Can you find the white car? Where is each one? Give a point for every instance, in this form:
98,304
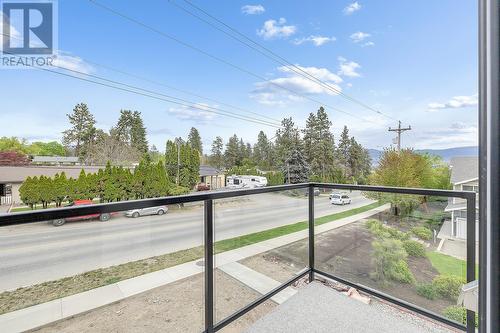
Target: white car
339,199
159,210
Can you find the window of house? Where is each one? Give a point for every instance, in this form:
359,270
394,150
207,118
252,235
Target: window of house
470,188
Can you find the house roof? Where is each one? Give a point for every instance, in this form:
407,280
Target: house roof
55,159
458,206
464,169
17,174
206,170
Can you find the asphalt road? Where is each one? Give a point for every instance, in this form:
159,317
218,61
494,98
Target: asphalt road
40,252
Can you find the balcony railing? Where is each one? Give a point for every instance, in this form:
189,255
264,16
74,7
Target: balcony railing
312,271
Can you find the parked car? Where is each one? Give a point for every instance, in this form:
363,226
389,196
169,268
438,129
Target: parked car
202,187
102,217
159,210
339,199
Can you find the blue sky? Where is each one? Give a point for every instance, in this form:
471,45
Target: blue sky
413,60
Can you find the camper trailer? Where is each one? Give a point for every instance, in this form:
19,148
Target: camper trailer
245,181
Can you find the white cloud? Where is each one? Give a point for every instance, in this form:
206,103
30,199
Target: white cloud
455,102
359,36
199,113
458,134
271,93
65,60
368,44
253,9
276,29
353,7
348,68
316,40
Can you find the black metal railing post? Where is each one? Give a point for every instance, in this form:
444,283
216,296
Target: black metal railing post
311,233
471,254
209,265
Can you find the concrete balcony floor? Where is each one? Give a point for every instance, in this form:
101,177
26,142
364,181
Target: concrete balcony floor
318,308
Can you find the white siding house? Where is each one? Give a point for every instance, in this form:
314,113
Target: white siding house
464,177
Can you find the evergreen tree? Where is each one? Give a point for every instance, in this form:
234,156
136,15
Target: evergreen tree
138,138
232,155
262,151
194,139
343,151
130,130
296,169
217,156
287,140
81,135
182,163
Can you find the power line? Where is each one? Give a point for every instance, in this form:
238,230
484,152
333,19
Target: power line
214,57
150,94
271,54
277,121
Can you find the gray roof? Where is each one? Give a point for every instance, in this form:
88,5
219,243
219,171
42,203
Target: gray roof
464,168
17,174
206,170
54,159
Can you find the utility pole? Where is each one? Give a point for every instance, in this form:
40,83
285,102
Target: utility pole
399,130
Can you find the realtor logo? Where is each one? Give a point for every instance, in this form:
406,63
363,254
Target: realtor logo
28,33
28,27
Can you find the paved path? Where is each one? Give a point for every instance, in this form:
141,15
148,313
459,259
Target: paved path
39,252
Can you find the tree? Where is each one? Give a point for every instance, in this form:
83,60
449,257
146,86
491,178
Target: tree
287,140
13,158
343,151
108,148
130,130
296,168
217,157
262,151
51,148
402,169
194,139
82,132
232,155
13,144
182,163
319,146
359,162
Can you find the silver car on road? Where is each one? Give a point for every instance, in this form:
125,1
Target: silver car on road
159,210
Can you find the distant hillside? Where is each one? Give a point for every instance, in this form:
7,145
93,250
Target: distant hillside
446,154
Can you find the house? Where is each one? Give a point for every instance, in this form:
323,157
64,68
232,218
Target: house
213,177
12,177
464,177
55,160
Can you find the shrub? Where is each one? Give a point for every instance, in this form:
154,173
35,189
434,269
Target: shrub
401,272
389,261
414,248
458,314
422,233
382,231
427,290
448,286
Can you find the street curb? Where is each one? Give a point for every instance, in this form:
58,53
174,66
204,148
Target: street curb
59,309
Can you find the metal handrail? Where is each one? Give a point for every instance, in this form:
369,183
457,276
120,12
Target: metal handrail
208,197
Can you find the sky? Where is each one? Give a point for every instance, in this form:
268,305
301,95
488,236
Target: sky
414,61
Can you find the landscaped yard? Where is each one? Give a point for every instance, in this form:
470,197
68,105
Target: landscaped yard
47,291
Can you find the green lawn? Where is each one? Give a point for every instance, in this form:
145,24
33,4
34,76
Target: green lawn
448,265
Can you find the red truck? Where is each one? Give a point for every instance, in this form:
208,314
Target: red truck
102,217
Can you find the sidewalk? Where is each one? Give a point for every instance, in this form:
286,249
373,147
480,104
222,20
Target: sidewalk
42,314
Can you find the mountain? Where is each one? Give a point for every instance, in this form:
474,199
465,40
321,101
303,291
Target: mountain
445,154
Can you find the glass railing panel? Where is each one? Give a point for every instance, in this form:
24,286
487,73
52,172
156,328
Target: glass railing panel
261,242
122,271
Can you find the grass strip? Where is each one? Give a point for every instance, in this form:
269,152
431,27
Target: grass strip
448,265
50,290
